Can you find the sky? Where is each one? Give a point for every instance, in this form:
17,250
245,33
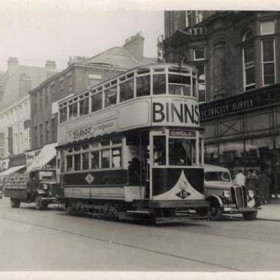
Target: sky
35,31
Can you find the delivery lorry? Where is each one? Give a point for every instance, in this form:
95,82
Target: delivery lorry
37,186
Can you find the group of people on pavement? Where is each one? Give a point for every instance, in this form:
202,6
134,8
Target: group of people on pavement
259,182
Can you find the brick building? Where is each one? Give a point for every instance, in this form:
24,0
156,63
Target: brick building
238,59
15,83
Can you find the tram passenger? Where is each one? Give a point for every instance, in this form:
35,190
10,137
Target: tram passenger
134,171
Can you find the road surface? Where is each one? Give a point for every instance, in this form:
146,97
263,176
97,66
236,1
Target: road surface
52,240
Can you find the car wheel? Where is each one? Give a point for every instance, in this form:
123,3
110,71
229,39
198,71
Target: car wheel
250,216
15,203
215,212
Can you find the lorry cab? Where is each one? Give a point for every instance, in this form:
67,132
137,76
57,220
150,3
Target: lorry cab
225,196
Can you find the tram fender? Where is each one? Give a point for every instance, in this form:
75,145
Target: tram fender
215,198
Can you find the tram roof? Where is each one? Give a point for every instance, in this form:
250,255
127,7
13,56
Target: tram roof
184,68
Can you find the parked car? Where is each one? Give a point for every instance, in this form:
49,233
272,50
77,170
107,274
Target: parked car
225,196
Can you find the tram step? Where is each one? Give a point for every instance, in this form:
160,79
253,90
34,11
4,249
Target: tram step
145,212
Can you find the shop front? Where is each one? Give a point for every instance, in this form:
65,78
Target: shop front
243,131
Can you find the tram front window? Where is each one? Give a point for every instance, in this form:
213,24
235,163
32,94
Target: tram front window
180,151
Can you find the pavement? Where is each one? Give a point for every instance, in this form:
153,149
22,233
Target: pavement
269,212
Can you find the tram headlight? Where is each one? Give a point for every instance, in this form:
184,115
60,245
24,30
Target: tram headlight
226,193
251,193
45,187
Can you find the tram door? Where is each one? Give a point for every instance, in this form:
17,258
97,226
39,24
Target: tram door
138,160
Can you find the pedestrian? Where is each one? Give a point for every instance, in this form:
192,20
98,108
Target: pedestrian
240,178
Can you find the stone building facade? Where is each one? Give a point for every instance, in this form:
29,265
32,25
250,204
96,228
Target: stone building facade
238,60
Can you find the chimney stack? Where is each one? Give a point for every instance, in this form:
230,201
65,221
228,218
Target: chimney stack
50,66
135,45
12,65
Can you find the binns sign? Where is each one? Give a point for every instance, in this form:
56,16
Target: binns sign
178,112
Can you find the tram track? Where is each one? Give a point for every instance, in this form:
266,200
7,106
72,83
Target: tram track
126,245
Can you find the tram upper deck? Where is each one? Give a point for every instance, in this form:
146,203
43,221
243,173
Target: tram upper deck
148,96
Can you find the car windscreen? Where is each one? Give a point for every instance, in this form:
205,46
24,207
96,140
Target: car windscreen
217,176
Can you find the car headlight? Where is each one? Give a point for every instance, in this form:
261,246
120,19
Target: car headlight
251,194
45,187
226,193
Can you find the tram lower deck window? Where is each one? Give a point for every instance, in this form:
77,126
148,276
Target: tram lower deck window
69,163
159,150
105,158
85,161
77,162
95,160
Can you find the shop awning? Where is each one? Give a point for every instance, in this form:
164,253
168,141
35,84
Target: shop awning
12,170
46,155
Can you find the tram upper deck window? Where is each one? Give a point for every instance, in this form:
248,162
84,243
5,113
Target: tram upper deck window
63,114
143,85
180,151
96,102
83,107
127,90
159,84
159,150
110,96
179,85
73,110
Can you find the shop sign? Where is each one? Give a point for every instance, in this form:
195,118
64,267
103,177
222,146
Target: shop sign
225,108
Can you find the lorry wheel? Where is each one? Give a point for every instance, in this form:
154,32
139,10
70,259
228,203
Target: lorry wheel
39,202
250,216
15,203
215,212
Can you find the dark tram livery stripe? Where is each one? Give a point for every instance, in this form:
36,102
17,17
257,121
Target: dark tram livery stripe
165,179
110,177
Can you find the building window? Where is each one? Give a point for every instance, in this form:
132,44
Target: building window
248,62
47,131
198,54
70,83
41,135
268,62
267,27
46,95
201,81
35,136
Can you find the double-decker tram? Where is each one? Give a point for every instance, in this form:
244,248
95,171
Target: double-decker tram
132,147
